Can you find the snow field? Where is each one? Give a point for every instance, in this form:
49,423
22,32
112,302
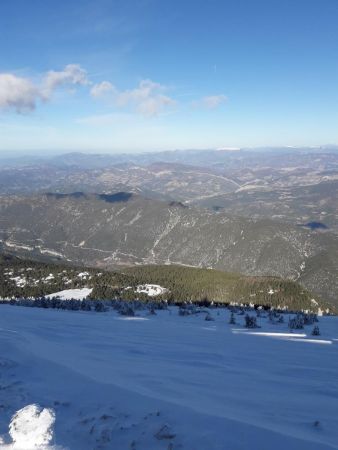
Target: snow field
152,290
69,294
169,382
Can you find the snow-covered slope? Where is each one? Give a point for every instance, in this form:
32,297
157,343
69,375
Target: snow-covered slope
152,290
170,382
68,294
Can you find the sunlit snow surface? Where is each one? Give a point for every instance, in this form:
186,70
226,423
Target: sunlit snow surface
151,289
68,294
32,427
168,382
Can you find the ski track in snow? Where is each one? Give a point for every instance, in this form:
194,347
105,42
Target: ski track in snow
170,382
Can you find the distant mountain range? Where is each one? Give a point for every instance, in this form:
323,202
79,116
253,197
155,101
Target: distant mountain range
296,186
122,228
199,157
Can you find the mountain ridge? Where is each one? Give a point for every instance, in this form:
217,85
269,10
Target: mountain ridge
91,231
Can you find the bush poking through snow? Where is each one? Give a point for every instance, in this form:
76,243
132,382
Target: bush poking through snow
126,310
152,311
184,311
296,323
310,319
315,331
32,427
232,320
100,307
165,432
275,317
209,318
301,319
251,321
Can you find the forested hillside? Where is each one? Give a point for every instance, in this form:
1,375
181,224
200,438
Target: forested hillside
23,278
188,283
110,231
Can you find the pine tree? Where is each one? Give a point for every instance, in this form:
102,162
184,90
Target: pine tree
250,322
232,320
315,331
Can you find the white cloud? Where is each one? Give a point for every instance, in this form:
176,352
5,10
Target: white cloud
154,105
72,74
148,98
18,94
21,94
102,89
144,91
213,101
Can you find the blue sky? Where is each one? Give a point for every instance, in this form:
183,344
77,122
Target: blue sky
142,75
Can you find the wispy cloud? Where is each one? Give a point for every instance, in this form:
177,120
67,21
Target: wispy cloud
148,98
211,101
100,90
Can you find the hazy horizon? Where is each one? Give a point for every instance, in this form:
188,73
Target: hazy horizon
13,154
